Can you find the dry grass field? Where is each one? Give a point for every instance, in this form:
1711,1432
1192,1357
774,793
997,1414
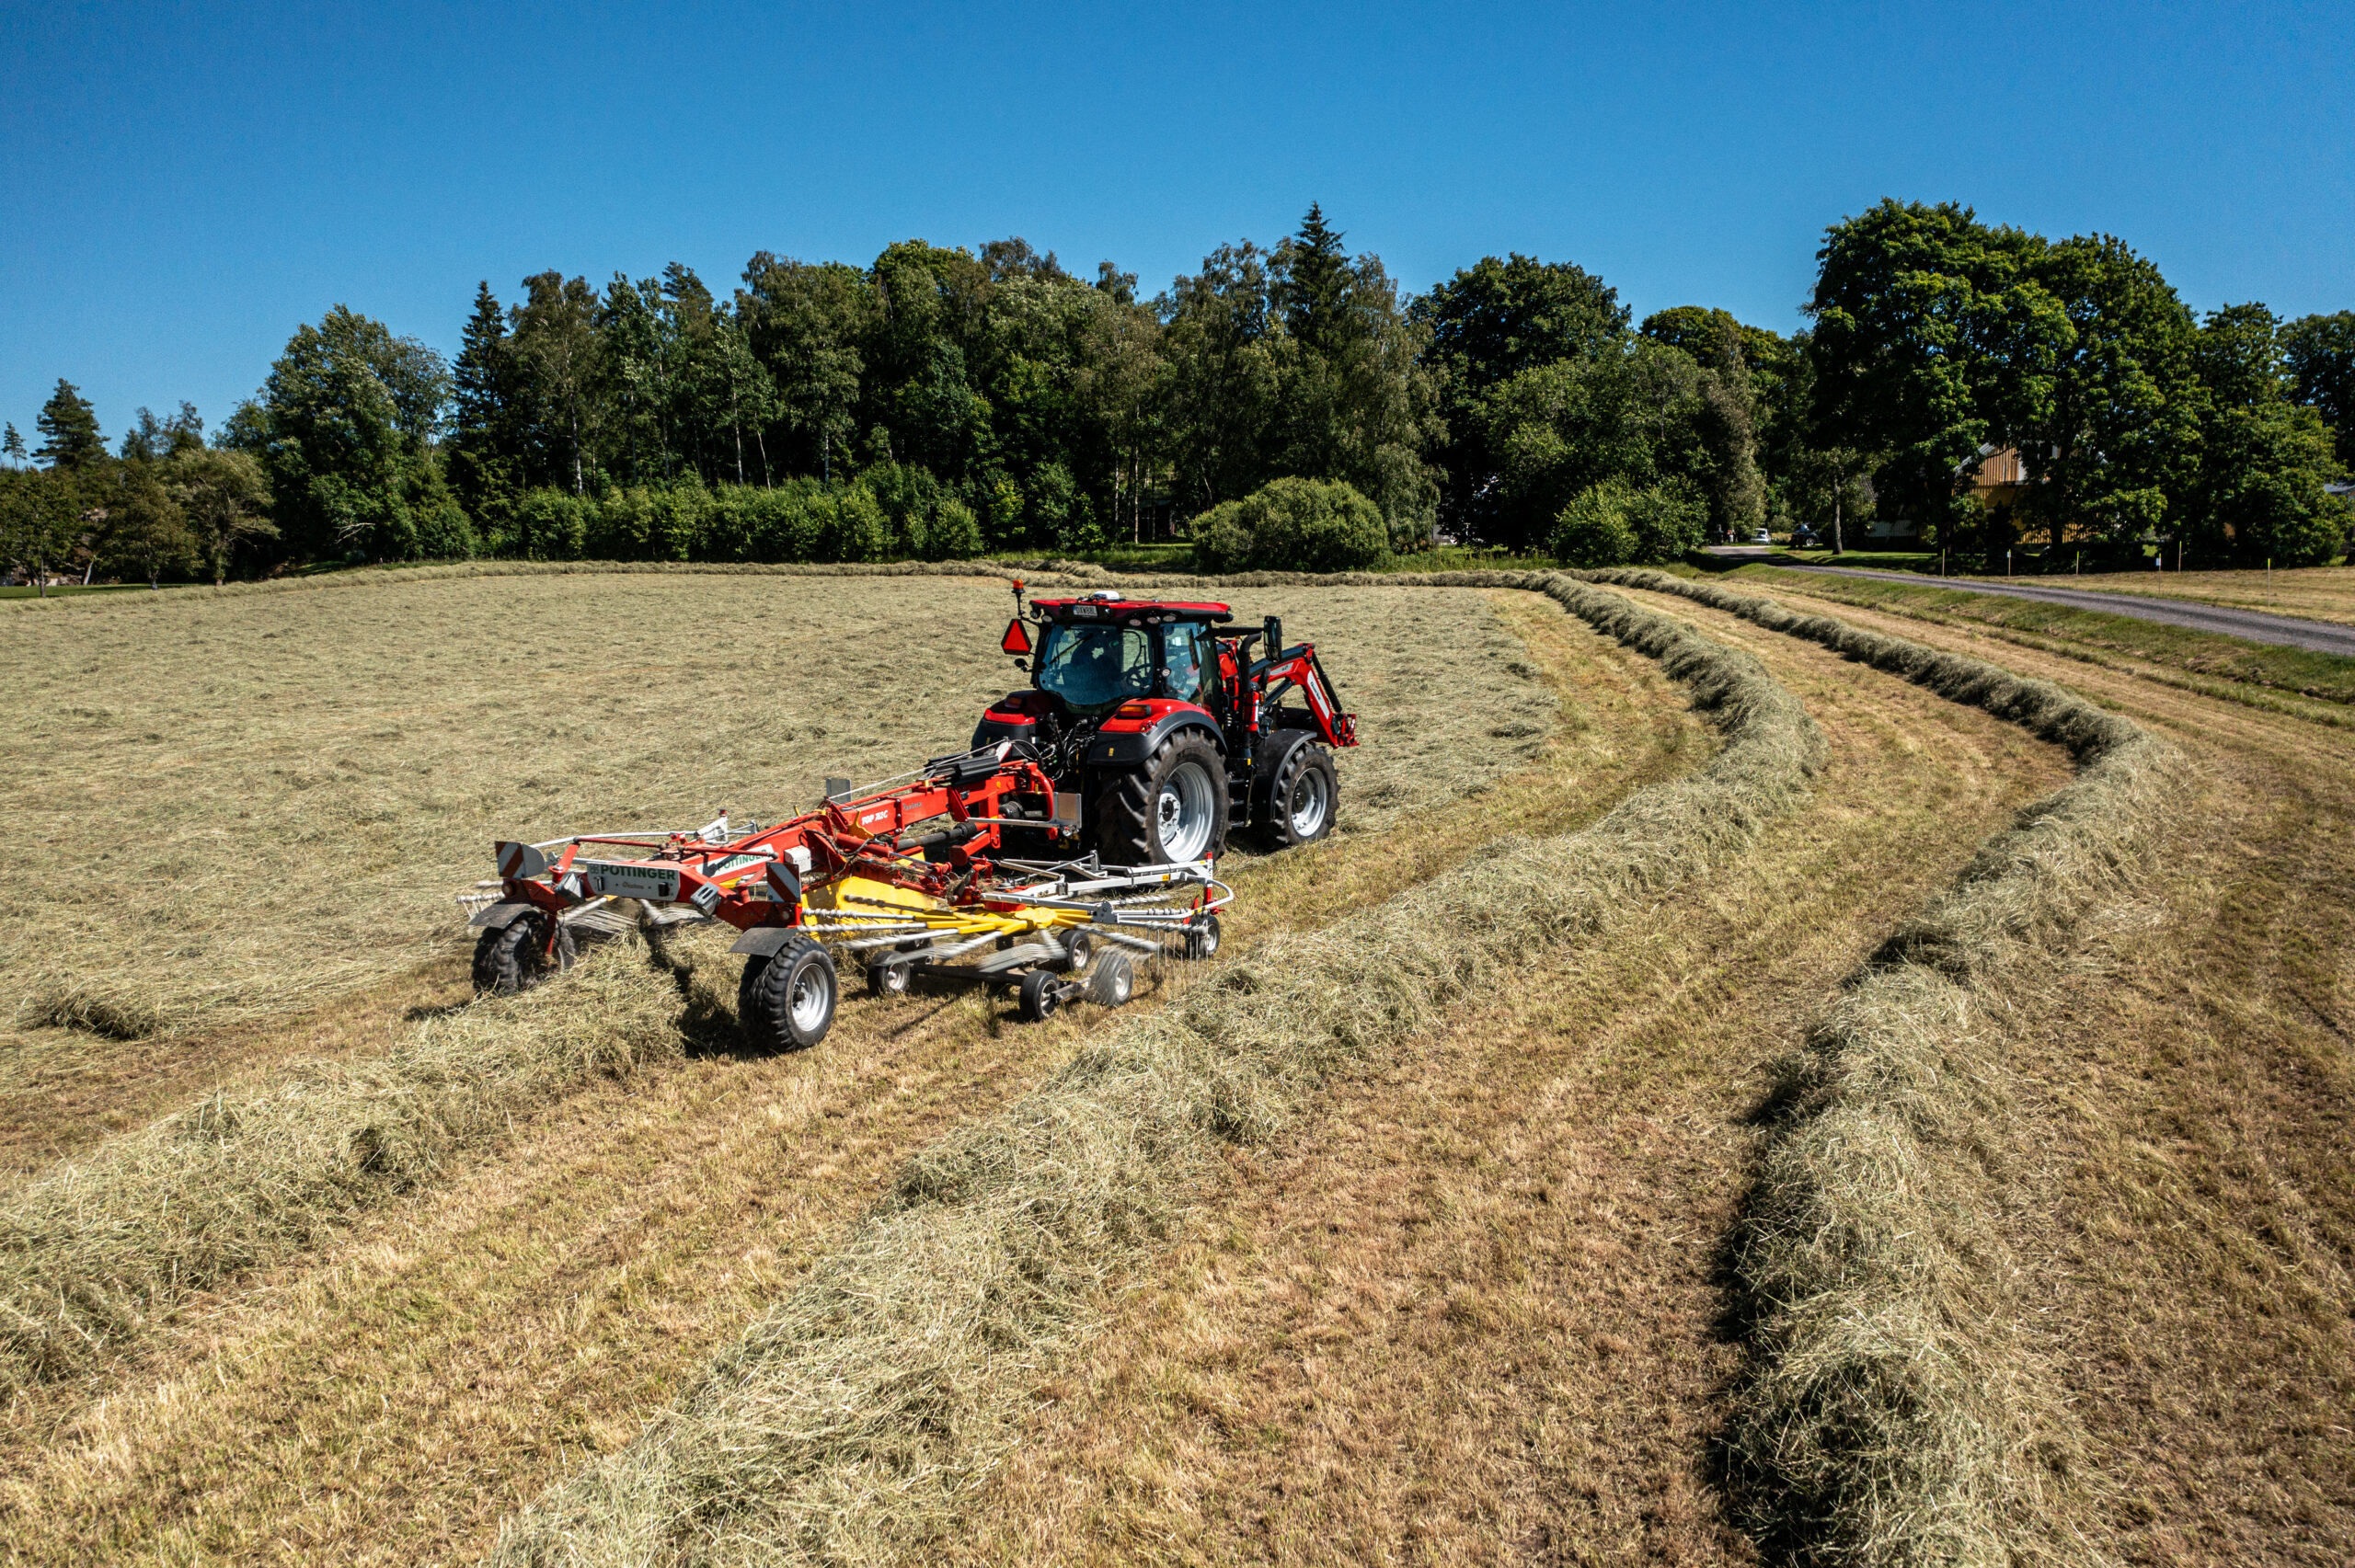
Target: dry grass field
614,1192
1473,1302
238,814
2198,1072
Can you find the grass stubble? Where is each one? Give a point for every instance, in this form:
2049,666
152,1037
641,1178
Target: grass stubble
1932,1448
104,1475
2193,1088
847,1421
1900,1411
236,809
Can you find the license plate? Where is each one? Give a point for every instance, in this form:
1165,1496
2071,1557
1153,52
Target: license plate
623,879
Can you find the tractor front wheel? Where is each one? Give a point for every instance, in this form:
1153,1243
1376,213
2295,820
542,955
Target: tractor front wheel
1301,797
1169,811
787,1003
518,956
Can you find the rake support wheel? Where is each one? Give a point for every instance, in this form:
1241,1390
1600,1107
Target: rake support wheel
1113,981
516,957
1041,994
787,1003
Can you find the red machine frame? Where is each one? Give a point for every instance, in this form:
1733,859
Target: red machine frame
757,878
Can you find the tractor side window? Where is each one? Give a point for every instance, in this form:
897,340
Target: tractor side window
1095,667
1182,655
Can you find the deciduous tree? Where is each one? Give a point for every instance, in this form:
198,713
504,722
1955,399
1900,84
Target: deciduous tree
2321,354
226,499
1487,323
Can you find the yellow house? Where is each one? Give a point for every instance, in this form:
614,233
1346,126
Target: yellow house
2002,478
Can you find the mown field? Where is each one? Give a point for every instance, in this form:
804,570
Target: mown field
1458,1257
234,809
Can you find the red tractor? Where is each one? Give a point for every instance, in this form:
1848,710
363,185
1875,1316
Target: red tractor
1165,731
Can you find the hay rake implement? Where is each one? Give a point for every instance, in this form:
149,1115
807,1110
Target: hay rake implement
854,877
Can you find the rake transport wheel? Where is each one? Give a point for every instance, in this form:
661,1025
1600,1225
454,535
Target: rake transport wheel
1171,810
516,957
787,1003
1041,994
1301,795
889,977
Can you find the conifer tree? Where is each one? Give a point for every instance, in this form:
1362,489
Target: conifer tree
1317,284
69,428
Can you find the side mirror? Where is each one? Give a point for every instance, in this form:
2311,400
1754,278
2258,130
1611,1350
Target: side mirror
1023,665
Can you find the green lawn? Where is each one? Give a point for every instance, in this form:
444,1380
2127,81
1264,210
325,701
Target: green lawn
2324,676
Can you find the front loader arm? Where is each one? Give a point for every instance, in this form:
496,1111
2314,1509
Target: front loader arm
1298,666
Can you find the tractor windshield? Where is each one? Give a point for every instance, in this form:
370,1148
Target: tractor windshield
1092,668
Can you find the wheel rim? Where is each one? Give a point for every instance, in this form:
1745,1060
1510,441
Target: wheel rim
1312,798
1118,984
1182,812
807,1006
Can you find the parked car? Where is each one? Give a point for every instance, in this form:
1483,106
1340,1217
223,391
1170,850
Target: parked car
1762,537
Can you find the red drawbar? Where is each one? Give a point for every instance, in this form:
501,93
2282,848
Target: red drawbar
1017,638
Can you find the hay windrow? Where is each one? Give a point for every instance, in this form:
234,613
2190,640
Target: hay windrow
1897,1413
847,1421
98,1247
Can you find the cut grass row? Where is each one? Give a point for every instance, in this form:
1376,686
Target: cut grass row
394,1397
845,1422
1899,1416
92,1255
2192,1097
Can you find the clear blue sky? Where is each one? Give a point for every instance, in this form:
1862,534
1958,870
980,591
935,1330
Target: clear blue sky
184,184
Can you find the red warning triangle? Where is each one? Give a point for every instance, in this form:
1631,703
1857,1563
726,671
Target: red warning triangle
1017,638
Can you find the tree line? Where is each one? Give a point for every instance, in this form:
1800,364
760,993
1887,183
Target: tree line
945,401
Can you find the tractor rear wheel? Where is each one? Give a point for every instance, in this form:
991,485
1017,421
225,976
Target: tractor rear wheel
1171,810
1301,797
786,1003
516,957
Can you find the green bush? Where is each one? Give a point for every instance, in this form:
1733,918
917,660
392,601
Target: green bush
1612,525
1594,530
1293,525
549,525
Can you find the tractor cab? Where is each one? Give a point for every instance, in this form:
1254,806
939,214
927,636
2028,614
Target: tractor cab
1096,653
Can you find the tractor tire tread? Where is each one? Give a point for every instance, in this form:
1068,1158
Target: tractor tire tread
1120,810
